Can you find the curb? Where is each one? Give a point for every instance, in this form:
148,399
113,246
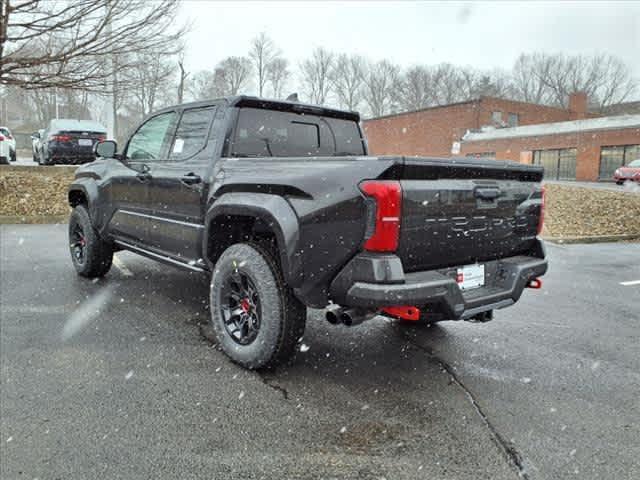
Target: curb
592,239
32,219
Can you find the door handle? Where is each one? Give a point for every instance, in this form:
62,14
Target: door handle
487,193
190,179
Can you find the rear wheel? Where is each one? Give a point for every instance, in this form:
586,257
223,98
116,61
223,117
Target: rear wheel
257,319
90,254
13,156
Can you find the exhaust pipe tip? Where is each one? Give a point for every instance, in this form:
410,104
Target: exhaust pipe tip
346,319
355,316
333,314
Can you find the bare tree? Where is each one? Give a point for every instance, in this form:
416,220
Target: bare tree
551,78
528,76
182,79
68,44
416,89
380,85
347,77
277,75
263,53
315,72
149,83
232,75
202,86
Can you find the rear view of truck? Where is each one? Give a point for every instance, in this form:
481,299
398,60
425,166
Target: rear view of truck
446,239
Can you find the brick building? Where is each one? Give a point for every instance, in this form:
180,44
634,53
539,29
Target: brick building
588,149
434,131
572,143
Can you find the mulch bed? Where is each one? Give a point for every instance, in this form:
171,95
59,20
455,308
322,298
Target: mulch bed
39,194
34,191
578,212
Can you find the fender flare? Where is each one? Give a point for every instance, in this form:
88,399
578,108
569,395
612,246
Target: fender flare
89,188
276,212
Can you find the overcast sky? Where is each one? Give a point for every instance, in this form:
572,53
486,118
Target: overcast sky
480,34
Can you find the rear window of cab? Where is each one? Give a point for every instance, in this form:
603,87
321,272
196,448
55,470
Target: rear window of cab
271,133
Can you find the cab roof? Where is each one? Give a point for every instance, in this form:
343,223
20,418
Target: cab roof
271,104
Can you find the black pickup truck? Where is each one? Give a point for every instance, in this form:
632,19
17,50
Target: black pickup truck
280,205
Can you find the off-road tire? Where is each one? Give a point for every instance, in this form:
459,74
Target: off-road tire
282,315
98,254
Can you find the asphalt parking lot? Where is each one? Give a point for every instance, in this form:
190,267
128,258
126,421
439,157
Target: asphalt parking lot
114,379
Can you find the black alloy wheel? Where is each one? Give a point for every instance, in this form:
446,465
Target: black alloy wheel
78,243
240,307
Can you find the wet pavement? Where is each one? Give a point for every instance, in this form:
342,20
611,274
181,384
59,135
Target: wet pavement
115,379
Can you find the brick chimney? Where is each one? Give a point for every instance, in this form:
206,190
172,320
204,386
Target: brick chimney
578,105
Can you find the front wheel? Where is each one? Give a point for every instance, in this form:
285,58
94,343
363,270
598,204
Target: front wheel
257,319
90,254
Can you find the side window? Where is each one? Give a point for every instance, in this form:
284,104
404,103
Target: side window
192,133
150,140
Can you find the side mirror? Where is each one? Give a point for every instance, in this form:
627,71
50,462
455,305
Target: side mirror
105,149
35,135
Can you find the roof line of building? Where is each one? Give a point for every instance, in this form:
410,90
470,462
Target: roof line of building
434,107
471,100
557,128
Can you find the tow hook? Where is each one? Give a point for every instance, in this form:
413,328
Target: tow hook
535,283
404,312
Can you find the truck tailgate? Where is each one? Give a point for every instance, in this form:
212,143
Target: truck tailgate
457,212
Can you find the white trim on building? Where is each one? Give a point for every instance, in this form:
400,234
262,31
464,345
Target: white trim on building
556,128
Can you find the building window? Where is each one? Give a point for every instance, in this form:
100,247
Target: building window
496,117
513,119
612,158
482,155
559,164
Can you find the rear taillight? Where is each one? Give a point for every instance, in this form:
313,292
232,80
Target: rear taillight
387,196
1,138
541,217
61,138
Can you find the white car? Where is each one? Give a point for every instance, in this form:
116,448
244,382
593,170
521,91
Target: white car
7,146
36,138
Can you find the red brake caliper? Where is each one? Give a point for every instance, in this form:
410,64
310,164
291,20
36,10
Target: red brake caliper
245,305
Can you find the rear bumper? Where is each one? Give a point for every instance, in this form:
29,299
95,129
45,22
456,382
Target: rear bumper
375,281
70,154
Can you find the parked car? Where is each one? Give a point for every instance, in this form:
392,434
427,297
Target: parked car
280,205
35,143
67,141
10,141
5,151
630,172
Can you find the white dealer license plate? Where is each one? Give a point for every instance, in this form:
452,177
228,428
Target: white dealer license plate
470,276
85,142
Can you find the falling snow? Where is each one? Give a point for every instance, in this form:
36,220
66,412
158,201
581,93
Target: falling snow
86,312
